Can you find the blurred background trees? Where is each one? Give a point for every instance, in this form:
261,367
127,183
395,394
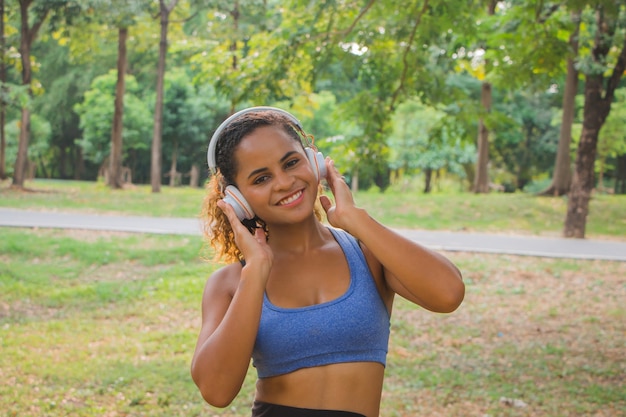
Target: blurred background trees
519,95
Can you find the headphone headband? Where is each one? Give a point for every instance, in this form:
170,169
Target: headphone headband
211,157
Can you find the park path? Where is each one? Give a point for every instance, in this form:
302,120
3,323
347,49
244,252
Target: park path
440,240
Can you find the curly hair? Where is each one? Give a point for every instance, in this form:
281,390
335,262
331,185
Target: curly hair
216,228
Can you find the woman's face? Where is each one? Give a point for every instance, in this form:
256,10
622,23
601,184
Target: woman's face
275,176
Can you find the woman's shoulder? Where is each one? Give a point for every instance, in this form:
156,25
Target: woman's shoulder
224,280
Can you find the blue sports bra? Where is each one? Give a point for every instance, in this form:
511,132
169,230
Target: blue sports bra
351,328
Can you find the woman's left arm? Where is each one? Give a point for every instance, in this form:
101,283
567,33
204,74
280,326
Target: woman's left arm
413,271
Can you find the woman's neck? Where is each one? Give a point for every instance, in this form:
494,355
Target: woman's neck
298,238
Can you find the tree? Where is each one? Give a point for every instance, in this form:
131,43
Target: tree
189,118
562,177
63,83
96,113
481,182
3,80
243,58
155,164
526,141
28,33
29,29
388,52
115,161
121,15
599,90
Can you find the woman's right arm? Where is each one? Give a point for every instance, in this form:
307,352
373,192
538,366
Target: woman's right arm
231,311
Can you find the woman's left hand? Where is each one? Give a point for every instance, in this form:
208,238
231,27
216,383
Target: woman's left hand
338,214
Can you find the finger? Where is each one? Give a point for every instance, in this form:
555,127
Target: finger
227,209
326,203
235,224
259,235
331,168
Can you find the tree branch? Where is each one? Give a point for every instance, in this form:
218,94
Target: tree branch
32,32
361,14
405,54
346,31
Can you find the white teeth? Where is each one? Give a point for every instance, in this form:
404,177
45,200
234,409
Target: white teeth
290,199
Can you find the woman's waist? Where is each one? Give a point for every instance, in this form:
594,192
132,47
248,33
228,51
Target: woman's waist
352,386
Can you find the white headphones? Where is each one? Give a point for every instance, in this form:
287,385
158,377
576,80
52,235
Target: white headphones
232,195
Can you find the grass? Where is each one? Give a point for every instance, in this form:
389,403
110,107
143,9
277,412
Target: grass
104,324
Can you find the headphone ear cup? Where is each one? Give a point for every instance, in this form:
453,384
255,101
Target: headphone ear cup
235,199
316,159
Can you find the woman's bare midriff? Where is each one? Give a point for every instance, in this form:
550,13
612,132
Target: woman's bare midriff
352,386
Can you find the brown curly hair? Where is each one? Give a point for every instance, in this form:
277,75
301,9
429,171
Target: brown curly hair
216,229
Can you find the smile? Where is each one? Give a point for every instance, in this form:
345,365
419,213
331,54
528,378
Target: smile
290,199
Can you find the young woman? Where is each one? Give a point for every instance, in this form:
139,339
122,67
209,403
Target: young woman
308,302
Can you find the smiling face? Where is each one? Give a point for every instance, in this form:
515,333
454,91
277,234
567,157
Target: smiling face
275,176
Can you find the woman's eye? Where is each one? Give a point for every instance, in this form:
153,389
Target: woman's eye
292,162
261,179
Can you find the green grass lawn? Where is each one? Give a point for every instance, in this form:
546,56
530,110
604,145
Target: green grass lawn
104,323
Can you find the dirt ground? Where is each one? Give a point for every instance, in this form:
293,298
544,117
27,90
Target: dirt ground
533,337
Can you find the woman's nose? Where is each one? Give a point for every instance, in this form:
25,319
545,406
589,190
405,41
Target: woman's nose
284,180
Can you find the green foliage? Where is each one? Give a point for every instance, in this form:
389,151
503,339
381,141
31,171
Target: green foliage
64,84
421,140
244,62
40,132
96,114
527,43
594,41
612,137
363,61
189,116
525,141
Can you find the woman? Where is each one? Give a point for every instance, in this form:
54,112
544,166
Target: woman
309,303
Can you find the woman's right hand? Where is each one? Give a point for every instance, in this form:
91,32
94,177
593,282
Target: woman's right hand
253,247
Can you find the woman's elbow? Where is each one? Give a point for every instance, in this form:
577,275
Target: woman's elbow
213,393
453,297
219,401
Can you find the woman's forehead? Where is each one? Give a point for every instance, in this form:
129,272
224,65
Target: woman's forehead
267,138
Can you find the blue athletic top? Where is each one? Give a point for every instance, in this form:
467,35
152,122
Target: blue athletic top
351,328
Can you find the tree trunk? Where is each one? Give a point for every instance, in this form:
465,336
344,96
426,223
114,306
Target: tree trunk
157,136
3,80
174,166
79,162
194,176
428,175
19,171
582,183
27,37
562,177
596,110
620,175
115,169
481,180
